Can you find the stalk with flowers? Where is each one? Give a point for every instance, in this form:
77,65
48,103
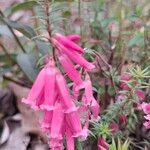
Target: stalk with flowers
91,92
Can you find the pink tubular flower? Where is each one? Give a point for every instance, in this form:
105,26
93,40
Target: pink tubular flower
35,96
70,69
68,43
64,93
73,120
57,122
74,37
140,94
74,56
69,139
95,108
102,144
49,89
146,107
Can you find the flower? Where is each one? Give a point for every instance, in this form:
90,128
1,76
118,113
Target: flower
123,119
51,94
102,144
125,78
65,41
140,94
146,107
114,127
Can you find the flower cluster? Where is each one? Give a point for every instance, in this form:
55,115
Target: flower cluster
50,93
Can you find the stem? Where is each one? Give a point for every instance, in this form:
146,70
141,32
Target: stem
13,33
49,26
15,81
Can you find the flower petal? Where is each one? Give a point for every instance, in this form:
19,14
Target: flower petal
36,90
70,69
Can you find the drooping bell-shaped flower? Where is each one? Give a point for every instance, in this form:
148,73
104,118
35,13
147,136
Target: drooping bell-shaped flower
69,138
74,56
50,87
64,93
35,96
74,123
68,43
57,122
70,70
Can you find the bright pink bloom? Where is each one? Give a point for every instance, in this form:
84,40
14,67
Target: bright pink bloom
123,119
49,89
64,93
35,96
74,56
70,69
147,124
146,107
73,120
140,94
57,122
74,37
102,144
69,139
68,43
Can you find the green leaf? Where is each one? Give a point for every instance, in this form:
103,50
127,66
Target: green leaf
136,40
24,29
22,6
43,47
27,63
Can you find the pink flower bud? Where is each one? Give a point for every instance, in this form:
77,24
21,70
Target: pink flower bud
140,94
123,119
102,144
74,56
74,37
68,43
114,127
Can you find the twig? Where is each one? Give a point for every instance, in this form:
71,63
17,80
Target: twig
10,28
15,81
